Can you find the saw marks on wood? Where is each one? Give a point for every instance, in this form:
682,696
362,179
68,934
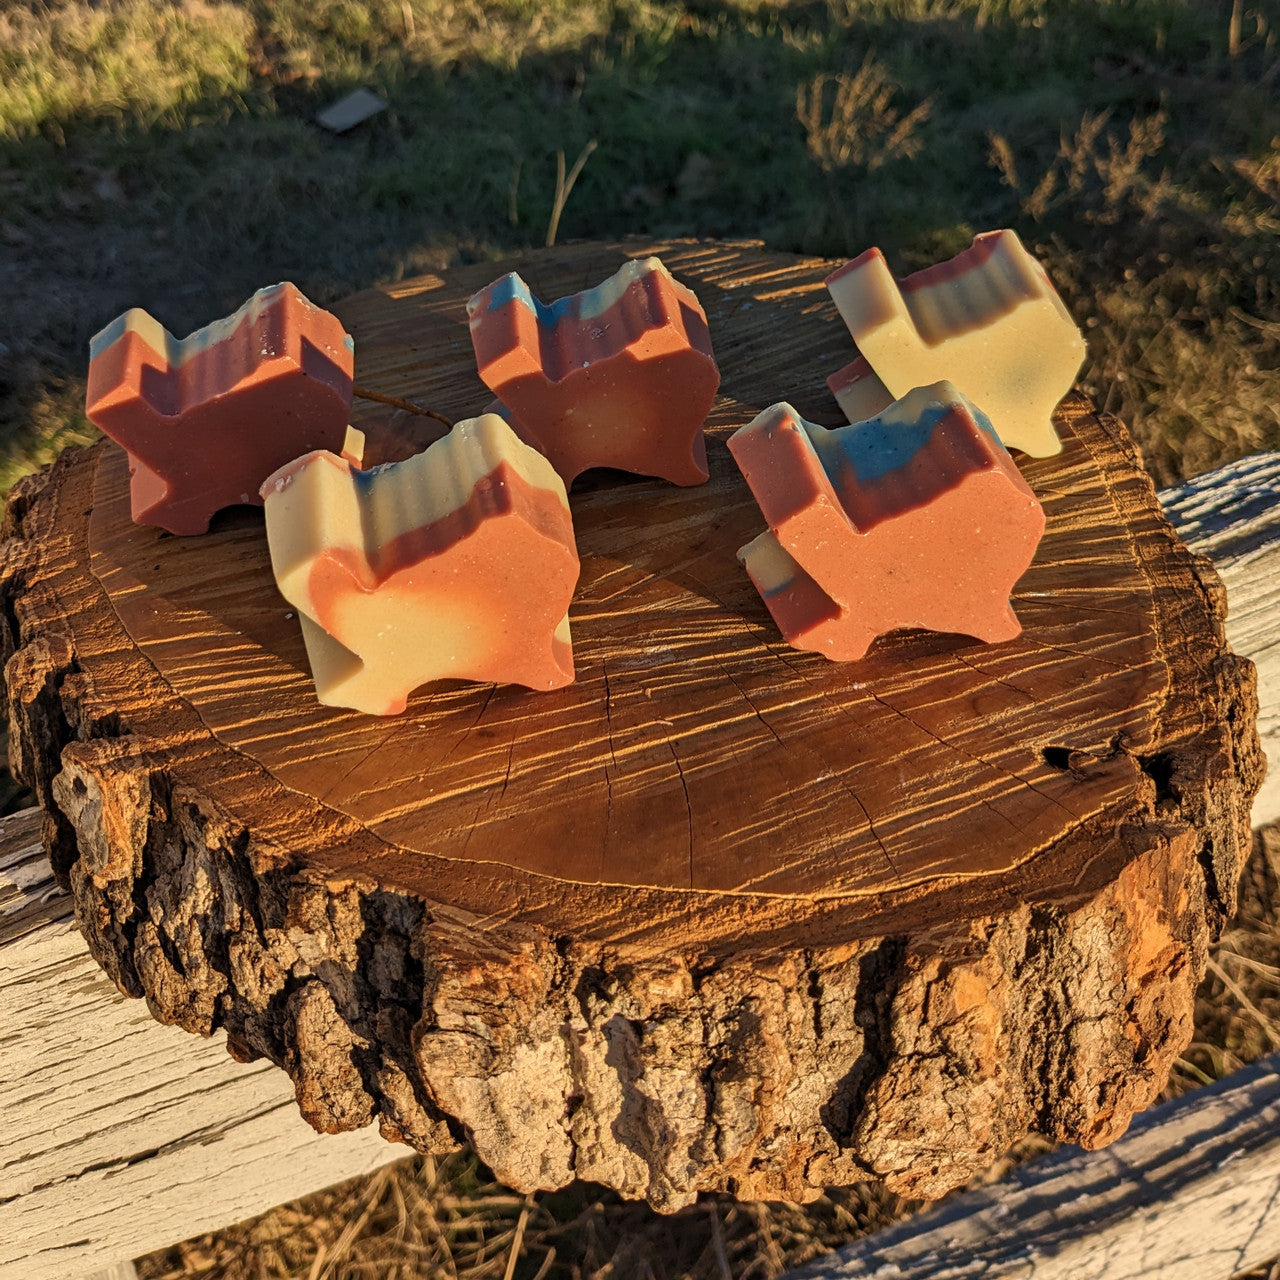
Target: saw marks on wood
695,750
939,898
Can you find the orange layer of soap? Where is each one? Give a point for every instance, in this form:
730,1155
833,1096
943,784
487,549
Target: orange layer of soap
456,563
933,536
621,376
206,419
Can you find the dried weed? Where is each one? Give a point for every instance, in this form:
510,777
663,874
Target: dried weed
448,1218
1238,1005
851,122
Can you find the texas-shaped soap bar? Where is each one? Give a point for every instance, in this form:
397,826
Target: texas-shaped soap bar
988,320
621,375
915,518
207,418
457,562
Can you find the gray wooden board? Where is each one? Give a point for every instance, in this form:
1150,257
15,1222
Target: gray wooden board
1191,1192
110,1160
122,1135
1232,515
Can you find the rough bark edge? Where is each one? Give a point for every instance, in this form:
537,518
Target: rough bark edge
916,1060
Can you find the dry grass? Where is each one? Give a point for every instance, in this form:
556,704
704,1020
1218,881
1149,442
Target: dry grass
1238,1009
447,1218
857,124
148,62
1180,304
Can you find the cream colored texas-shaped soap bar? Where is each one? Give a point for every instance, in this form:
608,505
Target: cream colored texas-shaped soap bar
988,320
457,562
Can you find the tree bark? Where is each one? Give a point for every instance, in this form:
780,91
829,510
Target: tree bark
719,915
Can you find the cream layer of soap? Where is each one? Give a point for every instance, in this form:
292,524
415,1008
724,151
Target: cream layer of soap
458,562
915,518
204,419
988,320
621,375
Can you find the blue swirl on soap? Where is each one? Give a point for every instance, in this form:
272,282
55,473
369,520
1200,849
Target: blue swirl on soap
885,443
510,288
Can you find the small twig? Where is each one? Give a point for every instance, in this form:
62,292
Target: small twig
329,1259
517,1241
317,1263
1266,970
402,1211
541,1273
478,1203
717,1241
1192,1070
513,194
397,403
564,186
1265,1024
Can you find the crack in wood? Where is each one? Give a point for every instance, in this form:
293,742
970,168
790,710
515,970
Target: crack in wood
688,805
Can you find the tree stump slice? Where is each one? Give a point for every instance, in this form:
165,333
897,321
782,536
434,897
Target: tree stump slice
718,916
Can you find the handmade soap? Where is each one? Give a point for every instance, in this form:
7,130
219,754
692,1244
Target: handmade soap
457,562
621,375
206,419
988,320
915,518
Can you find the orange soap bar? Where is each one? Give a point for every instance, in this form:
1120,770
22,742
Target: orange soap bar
457,562
915,518
621,375
988,320
206,419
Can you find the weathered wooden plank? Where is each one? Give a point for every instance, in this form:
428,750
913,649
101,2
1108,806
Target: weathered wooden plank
1192,1192
120,1134
1232,515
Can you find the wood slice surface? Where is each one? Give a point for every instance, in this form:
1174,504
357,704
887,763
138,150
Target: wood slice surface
719,914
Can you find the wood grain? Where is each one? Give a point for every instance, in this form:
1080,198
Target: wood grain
1192,1192
1232,515
719,914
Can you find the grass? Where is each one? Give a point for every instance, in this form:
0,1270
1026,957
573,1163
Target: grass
164,155
448,1218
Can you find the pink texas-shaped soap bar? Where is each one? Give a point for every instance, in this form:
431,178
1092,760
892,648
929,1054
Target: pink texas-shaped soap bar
988,320
621,375
206,419
915,518
457,562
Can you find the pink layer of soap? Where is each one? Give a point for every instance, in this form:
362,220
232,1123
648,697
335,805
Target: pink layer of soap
458,562
206,419
621,375
917,518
